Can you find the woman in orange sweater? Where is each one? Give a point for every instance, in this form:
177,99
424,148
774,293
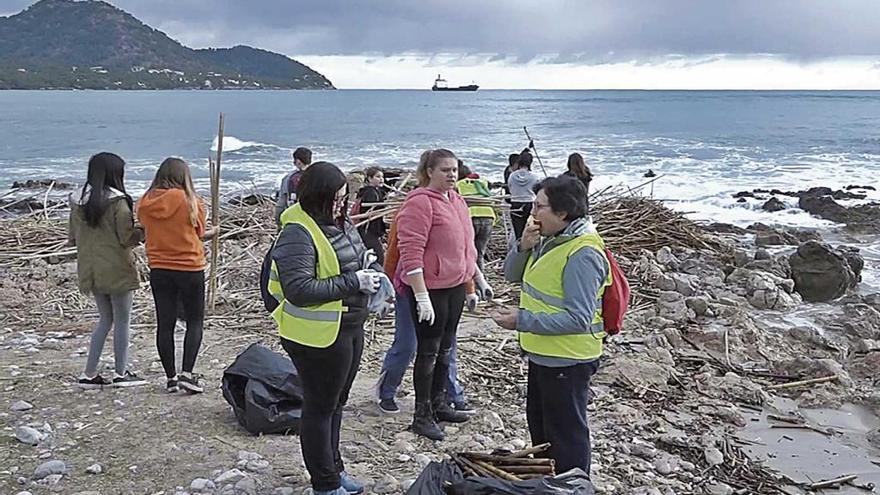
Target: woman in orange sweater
174,224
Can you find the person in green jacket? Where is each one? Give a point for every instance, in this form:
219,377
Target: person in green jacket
102,229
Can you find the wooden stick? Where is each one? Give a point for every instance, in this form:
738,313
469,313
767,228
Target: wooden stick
527,469
832,482
811,381
497,472
215,216
509,461
537,449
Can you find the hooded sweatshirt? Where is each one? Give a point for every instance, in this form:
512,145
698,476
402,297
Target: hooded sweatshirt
521,184
173,243
435,234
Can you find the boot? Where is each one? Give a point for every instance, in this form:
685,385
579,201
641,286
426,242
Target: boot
444,412
424,424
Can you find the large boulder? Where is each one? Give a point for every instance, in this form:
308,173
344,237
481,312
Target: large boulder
820,273
764,290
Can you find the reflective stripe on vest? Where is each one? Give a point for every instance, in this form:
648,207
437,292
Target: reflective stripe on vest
543,293
467,188
316,325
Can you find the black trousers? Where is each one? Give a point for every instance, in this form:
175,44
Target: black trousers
434,342
326,375
556,411
519,215
374,242
482,234
173,289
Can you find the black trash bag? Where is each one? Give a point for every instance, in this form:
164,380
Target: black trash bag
264,391
434,479
573,482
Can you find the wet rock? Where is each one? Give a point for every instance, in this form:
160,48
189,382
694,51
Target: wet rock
201,485
874,437
817,368
764,290
49,468
865,346
20,406
762,254
95,469
28,435
388,484
735,388
773,205
820,274
864,218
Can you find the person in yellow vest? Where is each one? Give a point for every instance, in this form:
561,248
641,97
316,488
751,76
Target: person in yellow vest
561,264
323,275
470,185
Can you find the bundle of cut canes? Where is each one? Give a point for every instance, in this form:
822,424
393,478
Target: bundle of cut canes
505,465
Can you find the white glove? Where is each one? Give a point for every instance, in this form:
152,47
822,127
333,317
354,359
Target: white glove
470,301
483,289
385,309
368,281
368,258
424,308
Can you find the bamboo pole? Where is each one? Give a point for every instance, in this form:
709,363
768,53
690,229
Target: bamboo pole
215,216
811,381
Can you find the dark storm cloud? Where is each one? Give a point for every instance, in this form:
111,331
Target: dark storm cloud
581,31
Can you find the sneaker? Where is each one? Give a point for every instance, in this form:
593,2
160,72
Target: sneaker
388,406
128,379
189,382
352,486
171,385
464,407
86,383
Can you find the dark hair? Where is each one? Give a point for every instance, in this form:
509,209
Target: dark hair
371,172
512,159
428,161
303,154
524,160
565,195
577,167
463,170
106,170
317,188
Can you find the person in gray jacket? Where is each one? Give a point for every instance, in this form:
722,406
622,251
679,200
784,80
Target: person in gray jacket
521,184
561,264
302,158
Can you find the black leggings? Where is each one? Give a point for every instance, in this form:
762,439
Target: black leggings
519,215
374,242
170,289
434,342
326,375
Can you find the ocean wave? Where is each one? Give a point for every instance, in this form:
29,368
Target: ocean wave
232,144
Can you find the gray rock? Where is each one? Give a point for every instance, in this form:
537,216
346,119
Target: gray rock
773,205
403,446
665,257
49,468
231,476
258,466
247,486
28,435
95,469
283,490
713,456
643,451
388,484
700,305
201,485
24,493
719,488
493,419
866,345
671,306
820,274
741,257
20,405
52,479
662,466
244,455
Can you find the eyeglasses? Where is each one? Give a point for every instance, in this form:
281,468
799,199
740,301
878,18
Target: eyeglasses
537,206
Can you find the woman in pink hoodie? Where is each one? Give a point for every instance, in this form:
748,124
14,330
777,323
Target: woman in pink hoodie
437,256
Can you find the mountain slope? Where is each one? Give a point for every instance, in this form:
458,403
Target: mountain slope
93,45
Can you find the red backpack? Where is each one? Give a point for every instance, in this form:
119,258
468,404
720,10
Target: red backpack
615,301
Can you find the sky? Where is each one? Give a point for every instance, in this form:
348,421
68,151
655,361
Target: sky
552,44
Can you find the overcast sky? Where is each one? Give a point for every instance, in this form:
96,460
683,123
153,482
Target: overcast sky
544,43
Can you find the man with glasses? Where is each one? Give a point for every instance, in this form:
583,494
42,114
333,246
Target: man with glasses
560,261
302,158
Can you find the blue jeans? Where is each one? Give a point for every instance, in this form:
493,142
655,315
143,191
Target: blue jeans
402,352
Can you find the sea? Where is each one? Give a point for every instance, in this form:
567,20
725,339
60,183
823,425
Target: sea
703,145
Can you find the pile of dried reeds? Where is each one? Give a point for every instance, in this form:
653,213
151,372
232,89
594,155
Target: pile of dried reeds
509,466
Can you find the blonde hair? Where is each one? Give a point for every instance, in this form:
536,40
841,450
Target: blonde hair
174,173
428,161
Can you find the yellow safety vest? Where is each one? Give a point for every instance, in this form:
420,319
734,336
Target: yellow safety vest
543,293
468,188
316,325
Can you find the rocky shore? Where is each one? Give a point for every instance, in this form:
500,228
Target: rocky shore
731,330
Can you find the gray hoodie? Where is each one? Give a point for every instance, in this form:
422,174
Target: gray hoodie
582,277
521,184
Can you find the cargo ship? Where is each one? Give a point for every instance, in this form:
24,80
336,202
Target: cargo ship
440,85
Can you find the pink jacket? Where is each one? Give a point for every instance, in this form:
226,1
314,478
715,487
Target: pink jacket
436,234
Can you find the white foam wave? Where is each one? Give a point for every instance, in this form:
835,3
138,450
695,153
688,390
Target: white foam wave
232,143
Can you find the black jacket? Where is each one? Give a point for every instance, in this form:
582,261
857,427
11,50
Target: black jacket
296,260
367,195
